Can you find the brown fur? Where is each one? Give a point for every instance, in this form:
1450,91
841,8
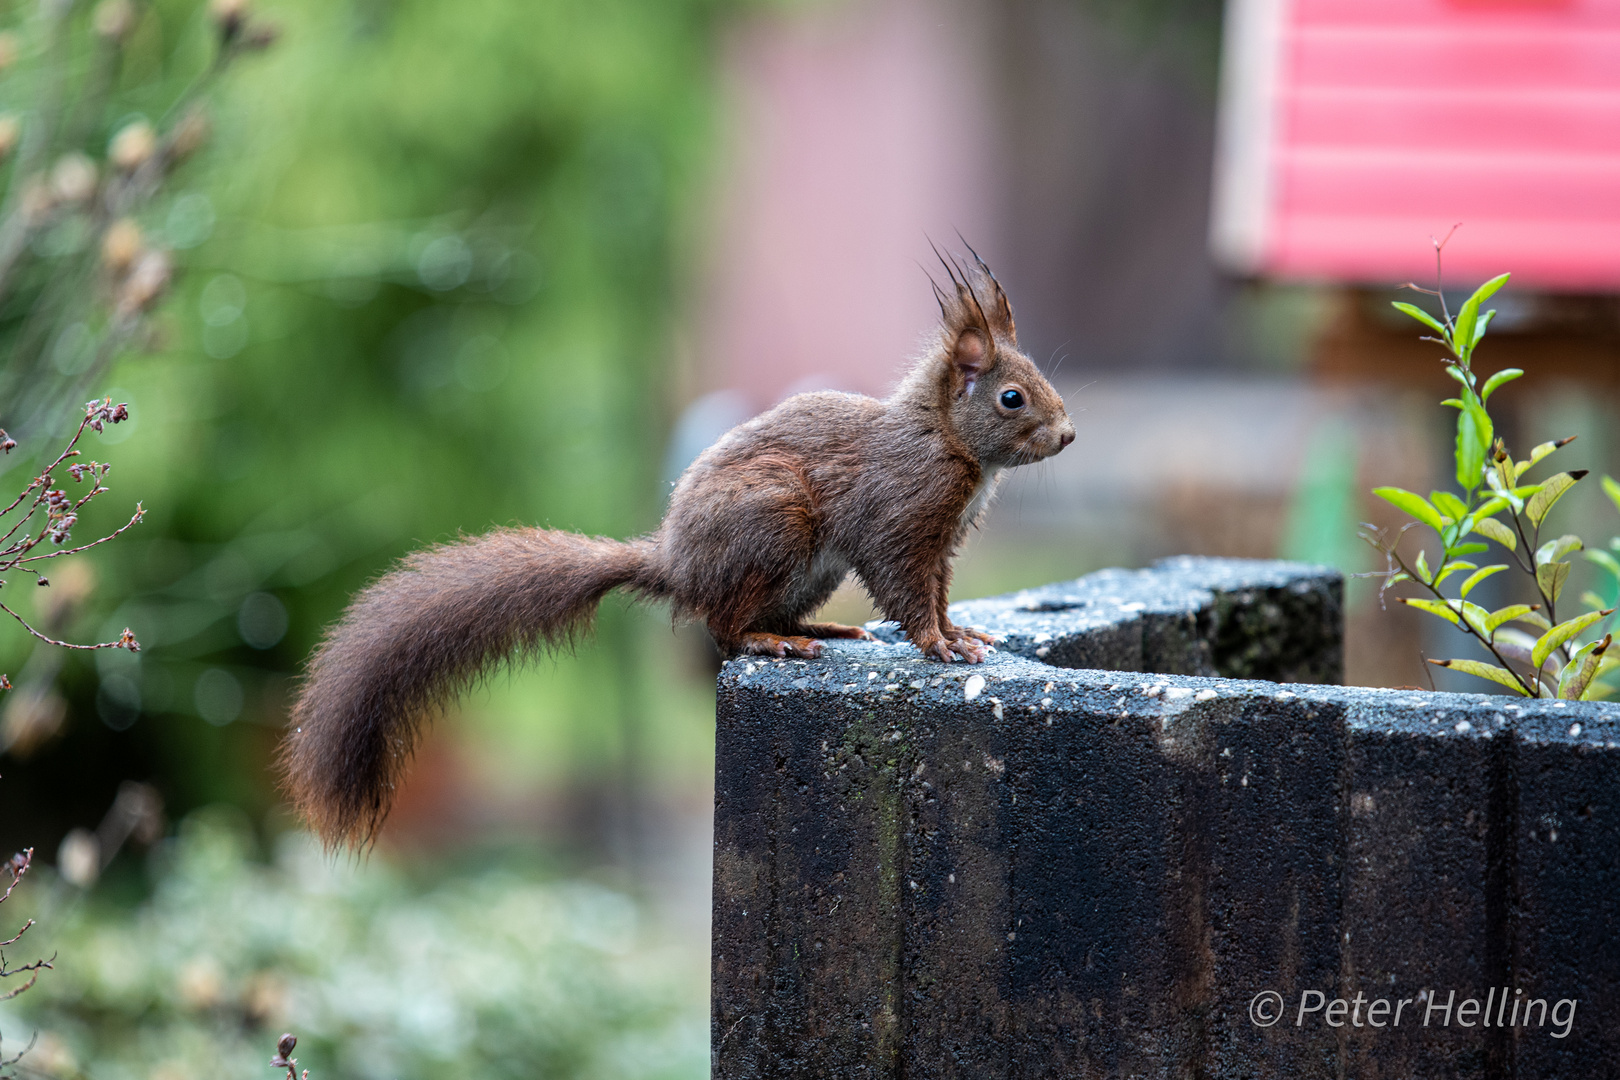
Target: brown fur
760,530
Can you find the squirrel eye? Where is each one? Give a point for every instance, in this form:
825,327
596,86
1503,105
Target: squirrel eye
1012,399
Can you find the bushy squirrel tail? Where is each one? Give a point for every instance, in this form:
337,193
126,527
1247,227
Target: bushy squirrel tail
418,634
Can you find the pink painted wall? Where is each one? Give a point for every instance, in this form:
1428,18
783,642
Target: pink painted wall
857,131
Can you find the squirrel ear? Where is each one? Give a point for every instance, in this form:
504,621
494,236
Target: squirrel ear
970,357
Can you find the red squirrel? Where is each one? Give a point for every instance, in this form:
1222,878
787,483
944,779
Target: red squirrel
761,529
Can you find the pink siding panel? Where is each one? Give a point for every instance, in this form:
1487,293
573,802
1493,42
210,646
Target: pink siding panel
1553,121
1398,118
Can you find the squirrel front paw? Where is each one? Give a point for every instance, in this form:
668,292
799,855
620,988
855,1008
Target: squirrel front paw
948,649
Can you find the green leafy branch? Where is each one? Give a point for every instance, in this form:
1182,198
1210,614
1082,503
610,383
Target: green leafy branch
1496,505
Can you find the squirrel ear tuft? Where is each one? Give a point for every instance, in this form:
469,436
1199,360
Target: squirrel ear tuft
1000,308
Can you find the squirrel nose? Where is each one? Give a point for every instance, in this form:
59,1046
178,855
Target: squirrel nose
1066,438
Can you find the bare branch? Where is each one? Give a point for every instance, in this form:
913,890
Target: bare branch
125,640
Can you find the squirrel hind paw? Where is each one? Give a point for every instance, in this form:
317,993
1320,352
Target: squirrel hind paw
760,644
837,630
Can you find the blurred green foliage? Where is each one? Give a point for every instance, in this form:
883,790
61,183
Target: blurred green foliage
435,294
493,974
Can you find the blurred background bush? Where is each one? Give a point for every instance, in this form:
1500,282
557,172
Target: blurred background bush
438,267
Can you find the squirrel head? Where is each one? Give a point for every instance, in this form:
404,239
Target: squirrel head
998,401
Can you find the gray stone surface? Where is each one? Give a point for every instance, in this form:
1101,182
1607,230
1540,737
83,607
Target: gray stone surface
1021,870
1241,618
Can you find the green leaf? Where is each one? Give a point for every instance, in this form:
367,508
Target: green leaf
1464,323
1515,496
1473,442
1433,607
1413,504
1495,530
1534,617
1476,617
1421,567
1507,614
1581,668
1561,633
1550,492
1605,560
1421,316
1551,578
1556,550
1484,671
1612,490
1592,600
1480,575
1480,327
1506,375
1448,504
1469,549
1452,567
1470,451
1512,637
1542,451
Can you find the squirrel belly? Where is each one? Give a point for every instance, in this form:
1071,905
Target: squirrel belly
761,529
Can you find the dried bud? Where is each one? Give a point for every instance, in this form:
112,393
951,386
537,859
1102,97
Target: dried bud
7,443
288,1043
73,178
120,246
146,282
43,582
61,531
229,16
10,131
189,134
9,48
126,640
5,684
120,413
132,147
113,19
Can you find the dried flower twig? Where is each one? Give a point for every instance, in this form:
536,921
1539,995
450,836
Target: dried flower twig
17,866
285,1060
60,514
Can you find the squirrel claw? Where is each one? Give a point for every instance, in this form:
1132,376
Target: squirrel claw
972,645
970,651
